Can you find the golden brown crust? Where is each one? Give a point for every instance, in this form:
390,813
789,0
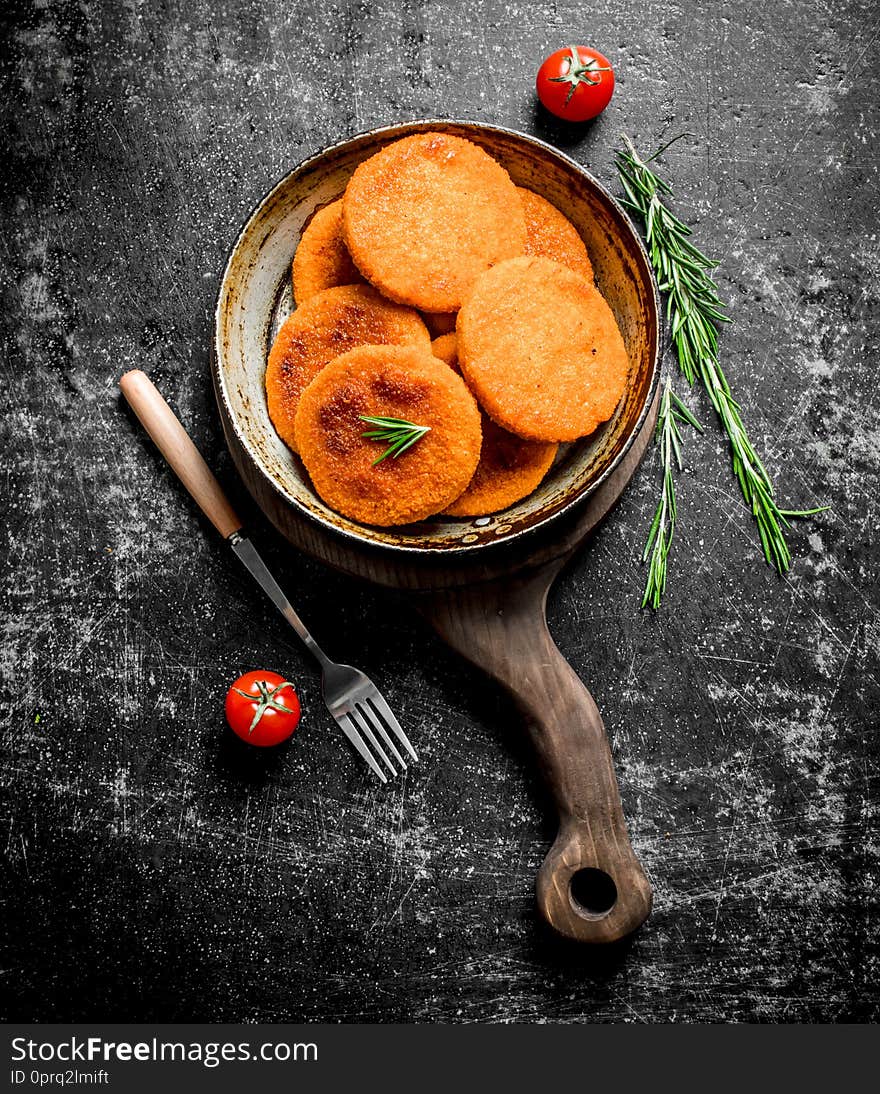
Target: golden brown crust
326,325
322,260
540,348
425,216
510,468
446,348
393,382
551,235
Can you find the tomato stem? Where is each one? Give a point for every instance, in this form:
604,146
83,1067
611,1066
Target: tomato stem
267,700
579,72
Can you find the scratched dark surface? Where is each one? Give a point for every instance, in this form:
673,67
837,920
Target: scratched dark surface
153,868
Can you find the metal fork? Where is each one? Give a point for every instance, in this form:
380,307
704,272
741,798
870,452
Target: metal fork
351,697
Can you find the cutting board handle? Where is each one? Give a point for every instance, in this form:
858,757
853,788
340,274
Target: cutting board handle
590,887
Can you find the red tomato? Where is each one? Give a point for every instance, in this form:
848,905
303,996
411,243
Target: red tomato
262,708
575,83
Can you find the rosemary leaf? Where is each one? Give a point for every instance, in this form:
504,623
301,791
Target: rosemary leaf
672,411
694,310
398,433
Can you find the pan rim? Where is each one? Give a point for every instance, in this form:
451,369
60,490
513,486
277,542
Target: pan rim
458,551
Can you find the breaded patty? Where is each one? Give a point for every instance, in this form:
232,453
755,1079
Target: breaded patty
322,260
425,216
510,467
540,348
446,348
388,382
551,235
327,324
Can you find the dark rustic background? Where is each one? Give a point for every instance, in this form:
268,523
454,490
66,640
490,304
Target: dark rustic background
157,870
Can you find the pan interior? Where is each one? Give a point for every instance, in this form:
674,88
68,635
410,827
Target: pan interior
255,298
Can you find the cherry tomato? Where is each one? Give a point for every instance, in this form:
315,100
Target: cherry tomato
575,83
262,708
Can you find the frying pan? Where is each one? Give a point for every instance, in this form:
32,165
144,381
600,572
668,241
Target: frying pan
482,582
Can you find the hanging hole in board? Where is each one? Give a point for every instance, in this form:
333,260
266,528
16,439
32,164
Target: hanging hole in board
593,892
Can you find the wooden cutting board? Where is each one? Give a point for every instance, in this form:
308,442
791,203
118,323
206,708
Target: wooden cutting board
490,606
590,887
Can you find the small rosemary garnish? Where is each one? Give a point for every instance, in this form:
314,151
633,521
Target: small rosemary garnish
672,411
398,432
694,310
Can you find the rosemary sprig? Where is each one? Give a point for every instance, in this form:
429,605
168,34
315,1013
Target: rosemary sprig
398,432
694,310
672,411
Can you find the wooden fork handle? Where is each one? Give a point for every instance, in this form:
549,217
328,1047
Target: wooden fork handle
172,440
590,887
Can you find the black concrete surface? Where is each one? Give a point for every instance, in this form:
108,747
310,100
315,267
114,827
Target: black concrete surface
155,869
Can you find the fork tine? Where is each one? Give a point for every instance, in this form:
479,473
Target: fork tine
372,718
385,710
364,726
353,734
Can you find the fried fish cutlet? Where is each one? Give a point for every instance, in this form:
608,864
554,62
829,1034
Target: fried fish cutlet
322,260
540,348
426,215
445,346
510,468
388,382
327,324
551,235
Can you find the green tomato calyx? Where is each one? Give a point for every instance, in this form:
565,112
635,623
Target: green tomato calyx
579,72
266,700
